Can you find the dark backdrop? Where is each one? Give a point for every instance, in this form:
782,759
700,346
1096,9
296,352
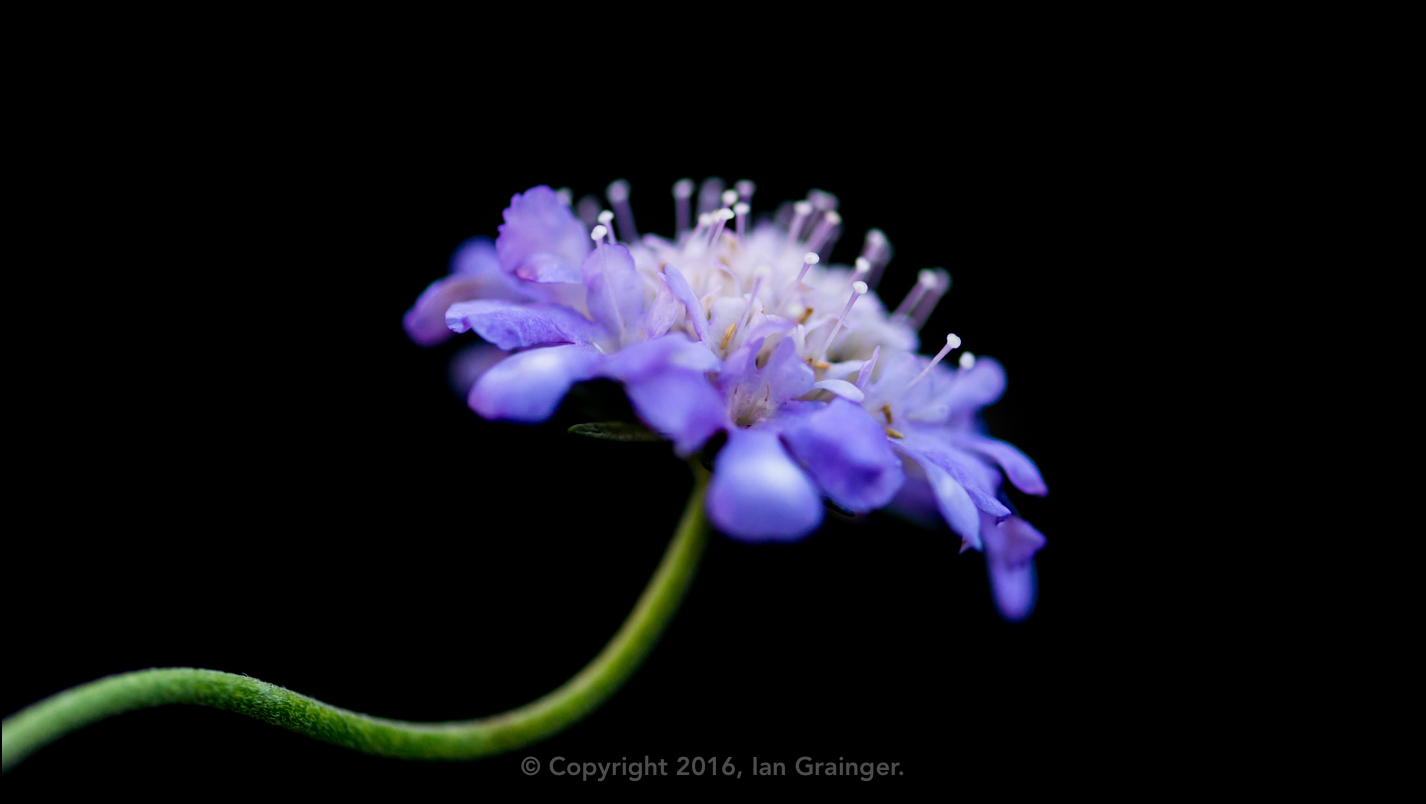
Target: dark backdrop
231,457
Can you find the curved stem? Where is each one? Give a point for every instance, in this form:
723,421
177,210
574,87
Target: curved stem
41,723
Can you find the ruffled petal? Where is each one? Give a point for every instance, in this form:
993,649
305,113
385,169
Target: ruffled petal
540,230
528,387
758,493
847,453
1017,465
511,326
613,288
1010,548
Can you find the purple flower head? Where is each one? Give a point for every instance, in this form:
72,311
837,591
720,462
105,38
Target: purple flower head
741,329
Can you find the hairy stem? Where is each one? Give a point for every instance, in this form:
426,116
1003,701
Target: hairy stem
41,723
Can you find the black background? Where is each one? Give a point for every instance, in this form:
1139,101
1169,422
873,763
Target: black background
231,457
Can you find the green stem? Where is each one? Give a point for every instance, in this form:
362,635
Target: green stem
39,724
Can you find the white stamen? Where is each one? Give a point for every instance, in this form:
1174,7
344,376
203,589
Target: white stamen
587,210
808,260
705,219
566,196
605,217
745,190
800,211
952,341
923,309
858,290
722,217
824,231
730,197
710,194
925,280
861,270
682,191
877,251
741,209
967,361
821,199
618,194
598,233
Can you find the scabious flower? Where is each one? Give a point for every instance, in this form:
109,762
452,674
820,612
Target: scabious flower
743,330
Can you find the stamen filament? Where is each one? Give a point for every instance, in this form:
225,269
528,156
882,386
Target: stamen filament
863,268
800,211
753,296
858,288
741,210
808,260
952,341
877,251
922,310
618,194
682,191
924,282
864,375
723,215
825,229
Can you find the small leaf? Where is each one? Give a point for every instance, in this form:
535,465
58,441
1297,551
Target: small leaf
616,431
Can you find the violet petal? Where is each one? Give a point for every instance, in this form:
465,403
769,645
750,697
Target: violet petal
1017,465
528,387
536,223
847,453
614,289
510,326
758,493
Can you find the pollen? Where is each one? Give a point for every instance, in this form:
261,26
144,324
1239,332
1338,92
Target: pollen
893,433
886,409
728,335
806,314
